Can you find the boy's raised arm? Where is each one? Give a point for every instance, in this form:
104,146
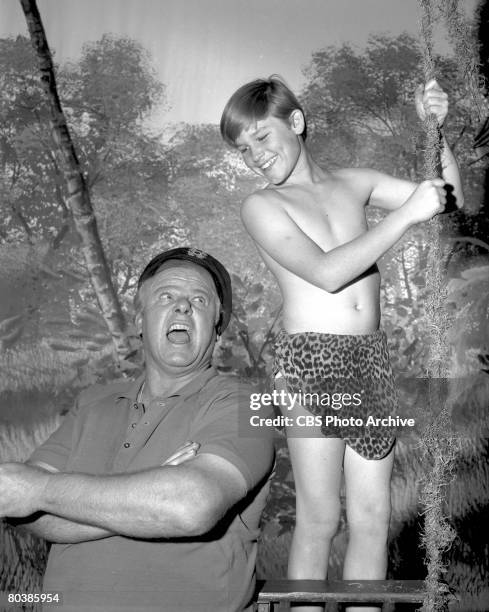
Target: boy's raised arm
390,192
431,99
451,172
283,240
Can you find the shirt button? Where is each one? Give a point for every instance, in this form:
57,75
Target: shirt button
136,406
126,445
133,425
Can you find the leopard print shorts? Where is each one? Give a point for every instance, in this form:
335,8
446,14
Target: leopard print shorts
327,366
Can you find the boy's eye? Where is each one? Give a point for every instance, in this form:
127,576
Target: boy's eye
242,150
263,137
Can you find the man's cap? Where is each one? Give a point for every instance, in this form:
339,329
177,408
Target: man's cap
219,274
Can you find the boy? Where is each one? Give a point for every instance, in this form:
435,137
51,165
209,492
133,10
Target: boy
310,228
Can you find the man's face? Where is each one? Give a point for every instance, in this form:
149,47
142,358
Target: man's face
177,317
271,148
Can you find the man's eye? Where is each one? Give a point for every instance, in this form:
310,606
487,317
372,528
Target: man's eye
262,138
199,299
164,297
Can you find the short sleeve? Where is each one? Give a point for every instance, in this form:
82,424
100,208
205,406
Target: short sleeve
56,450
220,431
58,447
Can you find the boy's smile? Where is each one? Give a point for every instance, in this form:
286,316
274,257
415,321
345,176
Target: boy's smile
270,147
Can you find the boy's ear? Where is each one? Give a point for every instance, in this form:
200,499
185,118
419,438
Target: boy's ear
297,121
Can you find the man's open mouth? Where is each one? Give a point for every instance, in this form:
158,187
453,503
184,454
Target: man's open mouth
178,333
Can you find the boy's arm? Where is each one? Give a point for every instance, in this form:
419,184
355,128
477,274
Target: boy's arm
389,192
450,171
282,239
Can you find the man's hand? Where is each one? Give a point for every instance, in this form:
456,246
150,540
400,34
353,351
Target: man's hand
427,200
21,488
184,453
431,99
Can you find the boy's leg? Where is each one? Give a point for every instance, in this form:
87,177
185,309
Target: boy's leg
368,509
317,466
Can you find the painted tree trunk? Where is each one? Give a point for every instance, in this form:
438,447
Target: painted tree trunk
79,197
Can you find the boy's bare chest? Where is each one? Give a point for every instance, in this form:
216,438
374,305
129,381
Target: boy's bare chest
329,218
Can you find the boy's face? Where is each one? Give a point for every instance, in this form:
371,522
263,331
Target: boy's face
271,147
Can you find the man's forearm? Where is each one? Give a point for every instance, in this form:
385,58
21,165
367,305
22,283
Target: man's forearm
60,530
155,503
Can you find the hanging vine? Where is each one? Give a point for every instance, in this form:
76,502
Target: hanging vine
466,48
440,448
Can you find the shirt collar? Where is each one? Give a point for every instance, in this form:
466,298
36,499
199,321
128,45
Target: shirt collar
192,387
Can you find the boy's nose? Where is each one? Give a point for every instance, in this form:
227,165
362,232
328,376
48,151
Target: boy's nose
256,153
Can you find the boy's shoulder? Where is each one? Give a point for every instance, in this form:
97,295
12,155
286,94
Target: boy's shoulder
347,177
356,174
262,196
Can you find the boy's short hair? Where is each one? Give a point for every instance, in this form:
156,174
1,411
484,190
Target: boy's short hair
254,101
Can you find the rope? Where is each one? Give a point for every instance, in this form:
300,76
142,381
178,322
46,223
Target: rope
467,52
439,451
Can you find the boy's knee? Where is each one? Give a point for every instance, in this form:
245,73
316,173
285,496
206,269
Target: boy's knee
320,521
371,518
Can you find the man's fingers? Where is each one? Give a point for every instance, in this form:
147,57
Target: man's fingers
184,453
186,448
181,459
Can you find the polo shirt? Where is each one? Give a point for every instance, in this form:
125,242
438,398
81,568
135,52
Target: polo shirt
110,432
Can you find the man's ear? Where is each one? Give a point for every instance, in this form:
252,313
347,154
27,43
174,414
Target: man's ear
297,121
218,319
138,321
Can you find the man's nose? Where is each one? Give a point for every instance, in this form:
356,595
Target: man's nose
182,304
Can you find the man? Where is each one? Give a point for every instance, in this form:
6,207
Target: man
131,530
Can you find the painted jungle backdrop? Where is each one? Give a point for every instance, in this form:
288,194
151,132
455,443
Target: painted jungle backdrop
155,184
